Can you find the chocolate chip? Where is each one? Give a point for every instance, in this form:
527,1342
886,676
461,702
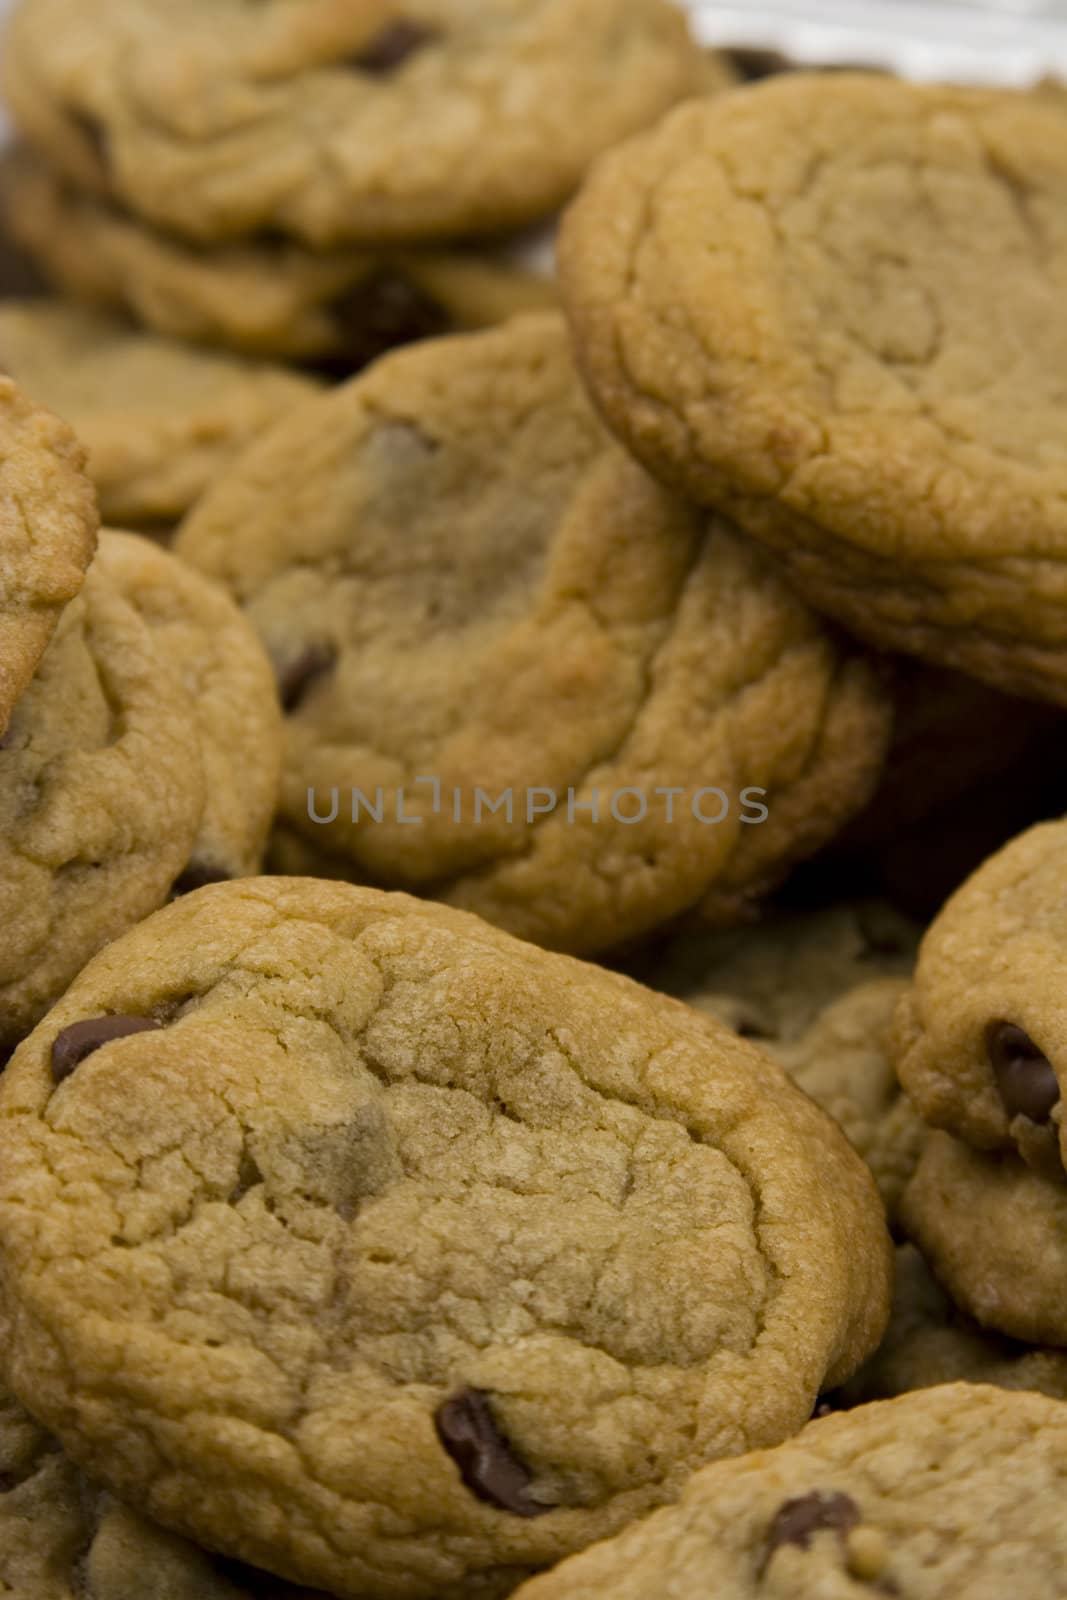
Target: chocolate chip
197,875
295,679
1025,1079
384,311
753,64
393,46
71,1047
487,1463
799,1520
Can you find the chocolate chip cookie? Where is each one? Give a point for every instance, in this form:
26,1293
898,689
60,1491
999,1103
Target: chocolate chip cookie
930,1341
790,301
160,421
772,981
521,676
61,1538
345,1234
141,761
952,1494
980,1043
48,523
995,1233
391,119
843,1063
340,308
818,991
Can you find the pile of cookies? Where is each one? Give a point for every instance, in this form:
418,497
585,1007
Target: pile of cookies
530,912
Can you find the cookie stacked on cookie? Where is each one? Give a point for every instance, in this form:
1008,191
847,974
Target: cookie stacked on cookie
140,727
520,675
979,1045
324,181
791,304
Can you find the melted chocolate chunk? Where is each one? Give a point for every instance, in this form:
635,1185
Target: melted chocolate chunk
1026,1082
801,1519
393,46
384,311
487,1463
197,875
295,679
71,1047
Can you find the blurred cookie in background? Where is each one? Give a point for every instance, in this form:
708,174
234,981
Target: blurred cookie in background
159,420
335,309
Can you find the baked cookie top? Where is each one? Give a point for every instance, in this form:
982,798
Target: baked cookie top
361,1241
48,524
61,1538
332,120
980,1043
952,1494
520,675
929,1341
995,1233
142,760
791,301
268,297
843,1062
159,420
773,980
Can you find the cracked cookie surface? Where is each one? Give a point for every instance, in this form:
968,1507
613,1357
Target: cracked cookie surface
159,421
469,590
333,121
980,1043
343,307
791,302
402,1258
952,1494
142,758
63,1539
48,525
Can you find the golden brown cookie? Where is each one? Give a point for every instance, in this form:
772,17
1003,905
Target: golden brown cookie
141,761
520,676
952,1494
790,301
930,1341
159,421
338,308
981,1041
995,1233
348,1235
48,524
61,1538
329,120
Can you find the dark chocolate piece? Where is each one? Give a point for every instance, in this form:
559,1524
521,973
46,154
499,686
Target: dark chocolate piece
1025,1079
486,1460
384,311
396,44
71,1047
801,1519
296,679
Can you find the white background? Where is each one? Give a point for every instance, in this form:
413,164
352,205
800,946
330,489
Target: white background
1011,41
